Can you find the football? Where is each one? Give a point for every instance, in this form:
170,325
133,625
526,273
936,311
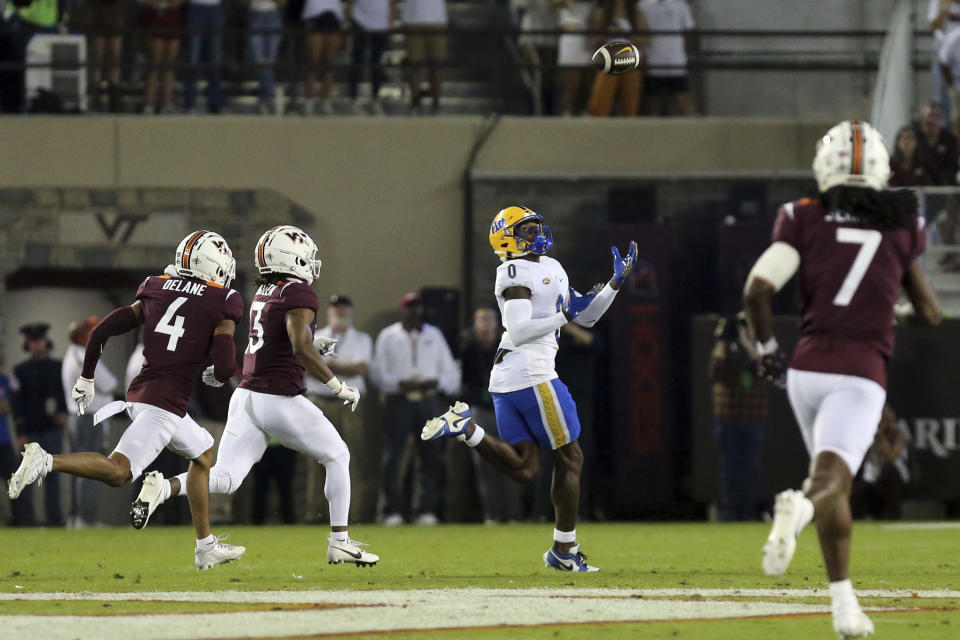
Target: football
617,57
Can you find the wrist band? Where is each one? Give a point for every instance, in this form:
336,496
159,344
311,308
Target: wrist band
768,347
477,436
334,385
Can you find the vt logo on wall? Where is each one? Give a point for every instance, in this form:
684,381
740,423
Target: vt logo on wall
160,229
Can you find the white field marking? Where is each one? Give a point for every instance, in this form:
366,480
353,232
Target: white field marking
405,610
920,526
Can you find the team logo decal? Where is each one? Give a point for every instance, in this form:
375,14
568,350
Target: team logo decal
546,281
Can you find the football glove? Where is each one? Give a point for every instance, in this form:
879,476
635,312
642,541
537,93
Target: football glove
325,346
82,394
349,395
209,379
773,363
623,265
579,303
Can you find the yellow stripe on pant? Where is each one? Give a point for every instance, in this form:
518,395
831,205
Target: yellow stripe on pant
545,391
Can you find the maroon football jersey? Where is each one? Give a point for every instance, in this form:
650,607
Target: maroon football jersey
179,316
269,365
850,277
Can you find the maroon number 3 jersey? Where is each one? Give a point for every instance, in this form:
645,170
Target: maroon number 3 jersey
850,277
269,365
179,316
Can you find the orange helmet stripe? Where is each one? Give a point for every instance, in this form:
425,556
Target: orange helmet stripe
263,244
185,260
856,164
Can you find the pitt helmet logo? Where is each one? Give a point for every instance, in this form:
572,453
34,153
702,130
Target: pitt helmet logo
498,224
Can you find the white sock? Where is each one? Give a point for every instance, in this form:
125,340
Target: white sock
339,536
565,536
47,464
477,436
206,544
183,484
337,490
842,594
166,490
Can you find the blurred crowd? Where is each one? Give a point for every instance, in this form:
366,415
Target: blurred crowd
156,51
408,374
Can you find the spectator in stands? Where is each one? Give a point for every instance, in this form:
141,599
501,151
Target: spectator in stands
499,495
352,357
163,23
540,49
21,510
81,432
205,22
621,22
322,20
943,17
105,21
39,408
23,20
739,410
412,364
574,54
905,171
878,491
278,463
667,55
937,148
265,28
371,20
425,28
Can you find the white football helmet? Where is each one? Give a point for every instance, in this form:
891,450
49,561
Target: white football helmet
206,255
854,154
287,249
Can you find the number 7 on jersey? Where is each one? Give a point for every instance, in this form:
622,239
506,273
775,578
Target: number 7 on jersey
869,241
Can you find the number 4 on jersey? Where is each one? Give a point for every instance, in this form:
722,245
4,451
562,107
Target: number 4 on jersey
175,330
869,241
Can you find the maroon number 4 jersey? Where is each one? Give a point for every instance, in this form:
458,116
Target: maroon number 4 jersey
850,277
269,365
179,316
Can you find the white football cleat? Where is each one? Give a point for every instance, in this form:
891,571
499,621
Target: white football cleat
451,424
350,551
851,622
31,470
221,553
789,518
151,497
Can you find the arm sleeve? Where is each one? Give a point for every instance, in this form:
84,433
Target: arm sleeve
522,327
224,352
920,238
117,322
597,308
777,265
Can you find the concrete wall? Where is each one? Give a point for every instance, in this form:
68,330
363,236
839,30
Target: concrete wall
386,192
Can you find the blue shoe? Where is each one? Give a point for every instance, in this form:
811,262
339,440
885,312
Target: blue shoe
573,561
453,423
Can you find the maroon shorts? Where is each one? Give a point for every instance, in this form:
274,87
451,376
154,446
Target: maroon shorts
158,22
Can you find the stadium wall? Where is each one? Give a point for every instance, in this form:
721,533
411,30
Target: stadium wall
387,193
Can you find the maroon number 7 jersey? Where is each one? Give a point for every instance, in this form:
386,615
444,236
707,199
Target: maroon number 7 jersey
179,316
850,277
269,365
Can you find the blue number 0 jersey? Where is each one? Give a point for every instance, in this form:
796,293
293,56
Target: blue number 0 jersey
530,401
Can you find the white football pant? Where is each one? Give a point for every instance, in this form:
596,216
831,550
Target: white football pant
153,429
294,422
836,413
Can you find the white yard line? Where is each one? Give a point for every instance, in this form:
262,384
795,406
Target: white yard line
920,526
375,611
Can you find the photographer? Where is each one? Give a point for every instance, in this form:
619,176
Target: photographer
739,411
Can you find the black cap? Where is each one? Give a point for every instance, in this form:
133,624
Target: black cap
339,298
35,330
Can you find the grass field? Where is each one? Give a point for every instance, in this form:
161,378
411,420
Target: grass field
658,581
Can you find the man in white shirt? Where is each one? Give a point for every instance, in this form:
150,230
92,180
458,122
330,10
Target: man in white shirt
371,20
667,55
412,363
425,24
349,363
81,432
944,18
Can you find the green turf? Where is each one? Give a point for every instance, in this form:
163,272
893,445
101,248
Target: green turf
631,556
